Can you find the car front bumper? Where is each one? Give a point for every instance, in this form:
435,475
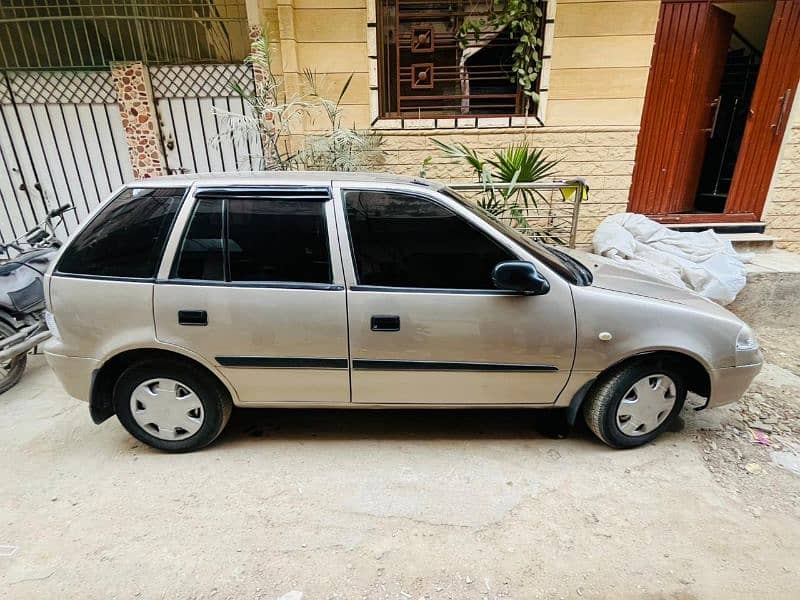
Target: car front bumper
730,384
75,374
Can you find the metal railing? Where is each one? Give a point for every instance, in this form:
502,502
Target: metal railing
547,211
89,34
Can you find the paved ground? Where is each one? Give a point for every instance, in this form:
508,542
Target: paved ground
402,505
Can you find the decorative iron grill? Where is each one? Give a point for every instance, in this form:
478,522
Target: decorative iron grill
426,69
199,81
40,34
58,87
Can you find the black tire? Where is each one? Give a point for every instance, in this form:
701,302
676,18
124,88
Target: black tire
600,408
215,399
11,371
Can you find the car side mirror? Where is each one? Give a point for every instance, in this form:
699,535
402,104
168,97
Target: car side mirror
520,276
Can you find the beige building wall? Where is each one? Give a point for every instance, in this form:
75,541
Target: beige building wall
596,80
598,74
782,211
328,37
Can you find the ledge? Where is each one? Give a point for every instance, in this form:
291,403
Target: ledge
457,123
393,127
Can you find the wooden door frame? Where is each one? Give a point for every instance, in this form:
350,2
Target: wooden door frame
756,210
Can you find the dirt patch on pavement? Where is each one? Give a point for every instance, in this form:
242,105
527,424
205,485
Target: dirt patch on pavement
753,447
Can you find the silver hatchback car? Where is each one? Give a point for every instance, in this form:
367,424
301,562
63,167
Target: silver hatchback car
184,296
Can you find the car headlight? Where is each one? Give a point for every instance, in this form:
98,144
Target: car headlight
746,340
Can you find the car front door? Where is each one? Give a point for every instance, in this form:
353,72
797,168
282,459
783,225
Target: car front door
256,288
426,324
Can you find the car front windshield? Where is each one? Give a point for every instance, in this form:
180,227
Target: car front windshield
563,264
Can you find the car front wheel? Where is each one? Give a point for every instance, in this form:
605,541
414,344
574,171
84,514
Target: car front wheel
171,406
632,405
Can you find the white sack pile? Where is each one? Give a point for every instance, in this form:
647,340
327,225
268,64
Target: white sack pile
703,262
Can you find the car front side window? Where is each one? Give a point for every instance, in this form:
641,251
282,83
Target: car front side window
407,241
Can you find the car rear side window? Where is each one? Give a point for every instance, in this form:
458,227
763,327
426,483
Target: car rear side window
268,240
127,238
403,240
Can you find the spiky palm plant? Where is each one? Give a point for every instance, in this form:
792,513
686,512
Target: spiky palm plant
519,163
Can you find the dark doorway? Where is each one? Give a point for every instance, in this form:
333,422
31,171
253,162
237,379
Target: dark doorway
721,84
732,104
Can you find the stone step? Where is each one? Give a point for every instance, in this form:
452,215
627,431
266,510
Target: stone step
751,227
746,237
773,286
751,242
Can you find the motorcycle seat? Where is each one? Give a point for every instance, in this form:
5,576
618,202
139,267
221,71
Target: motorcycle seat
19,261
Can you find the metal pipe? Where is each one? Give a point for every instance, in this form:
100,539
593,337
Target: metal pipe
569,229
24,346
536,185
20,335
573,232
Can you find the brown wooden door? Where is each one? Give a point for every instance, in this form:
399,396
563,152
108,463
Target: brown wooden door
691,46
769,112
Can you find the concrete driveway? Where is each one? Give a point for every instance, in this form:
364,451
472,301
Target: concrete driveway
413,504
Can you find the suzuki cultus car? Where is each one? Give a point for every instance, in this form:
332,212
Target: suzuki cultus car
184,296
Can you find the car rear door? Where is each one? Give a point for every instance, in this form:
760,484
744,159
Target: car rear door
426,324
256,288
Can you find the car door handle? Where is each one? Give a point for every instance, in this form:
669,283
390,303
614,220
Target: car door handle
384,323
192,317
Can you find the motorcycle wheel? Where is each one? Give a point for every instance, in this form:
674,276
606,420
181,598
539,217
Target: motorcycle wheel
11,371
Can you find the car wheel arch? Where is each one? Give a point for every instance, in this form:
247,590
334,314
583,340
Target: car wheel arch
104,378
698,376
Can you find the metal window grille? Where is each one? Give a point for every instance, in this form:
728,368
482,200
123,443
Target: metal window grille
427,70
37,34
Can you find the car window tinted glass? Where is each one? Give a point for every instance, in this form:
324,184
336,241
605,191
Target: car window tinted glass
278,240
401,240
565,265
201,255
127,238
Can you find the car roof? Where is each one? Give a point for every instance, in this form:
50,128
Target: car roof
280,178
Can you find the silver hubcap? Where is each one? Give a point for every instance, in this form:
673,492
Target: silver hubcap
167,409
646,405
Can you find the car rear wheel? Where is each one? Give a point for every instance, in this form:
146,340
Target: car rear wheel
11,370
634,404
171,405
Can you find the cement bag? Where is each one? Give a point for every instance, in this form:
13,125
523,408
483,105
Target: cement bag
702,262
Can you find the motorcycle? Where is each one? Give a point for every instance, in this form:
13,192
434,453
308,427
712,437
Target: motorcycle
22,306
